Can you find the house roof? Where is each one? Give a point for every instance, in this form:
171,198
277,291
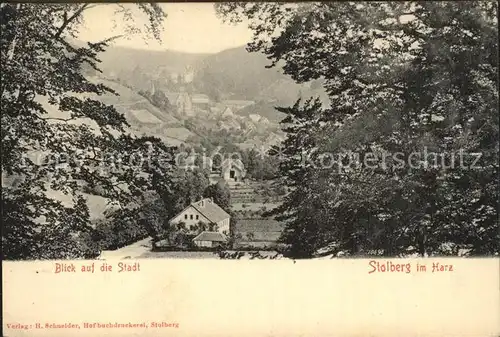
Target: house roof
172,97
238,102
227,111
208,209
210,236
230,163
255,117
200,98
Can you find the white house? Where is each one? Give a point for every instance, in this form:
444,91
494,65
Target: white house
233,170
209,239
205,211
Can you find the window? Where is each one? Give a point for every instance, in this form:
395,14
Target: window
197,216
191,216
185,216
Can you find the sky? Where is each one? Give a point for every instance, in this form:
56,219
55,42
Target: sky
189,27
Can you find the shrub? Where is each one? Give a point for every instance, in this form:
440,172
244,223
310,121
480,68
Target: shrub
114,234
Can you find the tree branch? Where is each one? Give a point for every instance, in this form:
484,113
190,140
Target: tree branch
67,20
58,119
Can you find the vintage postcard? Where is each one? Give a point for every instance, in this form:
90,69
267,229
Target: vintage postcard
250,169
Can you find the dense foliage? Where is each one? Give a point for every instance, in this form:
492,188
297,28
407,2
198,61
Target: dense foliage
220,194
45,76
403,78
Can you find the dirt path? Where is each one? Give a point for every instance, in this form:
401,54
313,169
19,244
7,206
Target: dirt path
128,252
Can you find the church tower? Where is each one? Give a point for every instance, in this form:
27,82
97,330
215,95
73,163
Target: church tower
188,74
153,88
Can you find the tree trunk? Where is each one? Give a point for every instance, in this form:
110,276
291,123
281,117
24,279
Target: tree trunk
12,46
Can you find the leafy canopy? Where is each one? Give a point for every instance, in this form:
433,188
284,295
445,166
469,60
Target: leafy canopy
402,77
50,107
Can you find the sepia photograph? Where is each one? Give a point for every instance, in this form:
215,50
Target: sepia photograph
249,130
275,169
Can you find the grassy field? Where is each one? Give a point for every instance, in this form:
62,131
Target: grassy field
256,225
97,205
258,233
143,116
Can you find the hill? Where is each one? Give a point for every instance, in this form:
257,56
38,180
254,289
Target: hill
237,74
120,59
143,117
230,74
137,67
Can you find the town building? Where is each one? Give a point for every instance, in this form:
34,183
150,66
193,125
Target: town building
201,101
209,239
227,112
182,101
205,212
215,110
233,170
236,105
228,124
188,74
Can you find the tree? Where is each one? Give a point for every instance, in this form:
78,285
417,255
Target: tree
184,188
155,219
210,83
42,72
260,166
220,194
402,78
